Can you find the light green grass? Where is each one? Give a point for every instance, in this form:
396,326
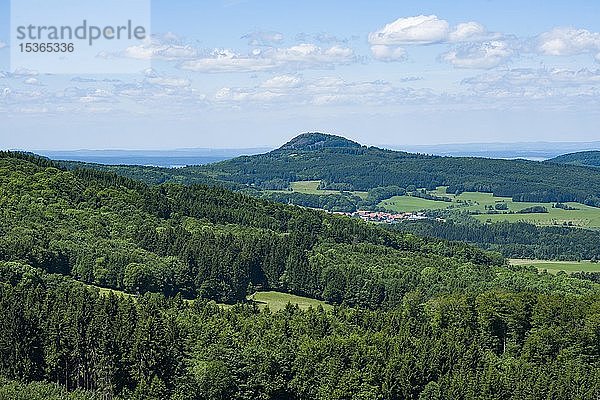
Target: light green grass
412,204
106,291
278,301
556,266
312,187
583,217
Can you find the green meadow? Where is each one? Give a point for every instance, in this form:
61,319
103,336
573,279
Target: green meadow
556,266
583,216
312,187
277,301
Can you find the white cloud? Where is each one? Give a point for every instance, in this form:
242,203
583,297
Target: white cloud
291,89
21,72
598,57
468,31
163,48
301,56
282,82
484,55
310,54
32,81
170,37
172,82
423,30
164,52
225,60
420,30
153,77
2,44
537,83
262,38
568,41
388,53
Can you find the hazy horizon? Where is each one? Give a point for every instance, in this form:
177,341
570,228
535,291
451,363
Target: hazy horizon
267,147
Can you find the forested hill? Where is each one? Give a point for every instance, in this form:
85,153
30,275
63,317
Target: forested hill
429,319
153,175
343,164
585,158
316,141
204,241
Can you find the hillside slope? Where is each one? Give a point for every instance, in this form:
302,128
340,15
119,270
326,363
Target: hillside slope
344,164
429,318
584,158
204,241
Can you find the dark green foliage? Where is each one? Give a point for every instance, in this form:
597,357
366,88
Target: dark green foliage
430,319
513,240
534,210
204,241
422,193
485,345
152,175
377,194
338,161
501,206
564,206
10,390
587,158
342,202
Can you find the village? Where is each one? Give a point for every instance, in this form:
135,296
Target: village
385,217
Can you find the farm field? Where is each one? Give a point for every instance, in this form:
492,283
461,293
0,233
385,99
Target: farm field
277,301
312,187
584,216
411,204
556,266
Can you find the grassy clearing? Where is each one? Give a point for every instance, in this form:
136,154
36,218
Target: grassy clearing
412,204
277,301
556,266
106,291
584,216
312,187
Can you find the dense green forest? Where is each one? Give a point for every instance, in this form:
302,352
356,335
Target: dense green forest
341,163
493,344
203,241
512,239
153,175
415,318
586,158
342,201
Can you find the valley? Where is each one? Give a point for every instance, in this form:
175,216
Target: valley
181,278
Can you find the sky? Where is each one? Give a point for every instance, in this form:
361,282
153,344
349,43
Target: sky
235,73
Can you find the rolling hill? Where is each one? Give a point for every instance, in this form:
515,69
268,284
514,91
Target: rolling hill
199,241
343,164
417,317
585,158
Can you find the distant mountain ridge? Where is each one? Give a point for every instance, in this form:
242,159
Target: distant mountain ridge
584,158
314,141
158,158
341,164
537,151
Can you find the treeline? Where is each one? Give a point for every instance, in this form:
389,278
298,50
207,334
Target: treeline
341,202
362,168
57,333
513,239
152,175
114,232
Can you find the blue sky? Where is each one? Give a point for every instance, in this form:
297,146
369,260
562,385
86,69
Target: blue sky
238,73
